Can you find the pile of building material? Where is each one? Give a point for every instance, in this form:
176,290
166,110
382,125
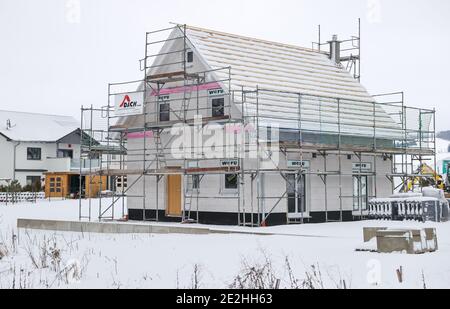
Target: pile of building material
429,205
409,241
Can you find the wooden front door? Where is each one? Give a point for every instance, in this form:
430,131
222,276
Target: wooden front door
174,195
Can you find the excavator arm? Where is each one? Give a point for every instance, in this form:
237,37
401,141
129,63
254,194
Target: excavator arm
432,179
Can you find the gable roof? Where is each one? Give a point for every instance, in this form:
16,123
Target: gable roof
32,127
290,69
332,100
275,66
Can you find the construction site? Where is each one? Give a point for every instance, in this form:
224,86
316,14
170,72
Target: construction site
308,143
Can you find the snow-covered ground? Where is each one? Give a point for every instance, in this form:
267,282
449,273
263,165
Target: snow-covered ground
319,255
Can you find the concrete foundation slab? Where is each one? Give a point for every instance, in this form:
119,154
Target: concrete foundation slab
107,227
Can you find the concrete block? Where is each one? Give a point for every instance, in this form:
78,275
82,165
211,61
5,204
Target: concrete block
107,228
371,232
431,239
160,230
392,241
418,241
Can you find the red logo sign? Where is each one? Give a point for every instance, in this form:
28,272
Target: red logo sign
127,103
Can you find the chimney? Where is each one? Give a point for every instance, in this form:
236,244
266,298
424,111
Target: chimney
335,49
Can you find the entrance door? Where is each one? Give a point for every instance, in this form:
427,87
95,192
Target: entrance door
296,206
174,195
360,193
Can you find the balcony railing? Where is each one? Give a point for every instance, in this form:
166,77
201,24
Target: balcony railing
70,165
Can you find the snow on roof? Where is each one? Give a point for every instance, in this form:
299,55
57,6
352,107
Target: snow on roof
276,66
281,67
31,127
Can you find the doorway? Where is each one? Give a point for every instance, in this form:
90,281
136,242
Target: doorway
360,193
296,194
174,196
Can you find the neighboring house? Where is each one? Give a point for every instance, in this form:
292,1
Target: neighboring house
33,144
337,146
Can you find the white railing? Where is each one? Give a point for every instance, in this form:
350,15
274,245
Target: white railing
58,164
406,209
75,164
20,197
68,164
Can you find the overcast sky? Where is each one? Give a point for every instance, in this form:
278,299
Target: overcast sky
56,55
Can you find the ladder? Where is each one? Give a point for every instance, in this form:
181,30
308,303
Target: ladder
160,151
189,197
186,101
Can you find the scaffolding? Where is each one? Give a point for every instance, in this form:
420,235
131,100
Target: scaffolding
350,57
412,139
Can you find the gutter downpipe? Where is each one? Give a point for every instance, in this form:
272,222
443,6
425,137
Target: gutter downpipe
17,144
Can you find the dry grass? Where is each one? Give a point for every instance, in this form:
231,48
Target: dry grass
263,276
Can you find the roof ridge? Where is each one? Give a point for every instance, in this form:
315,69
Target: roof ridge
34,113
253,39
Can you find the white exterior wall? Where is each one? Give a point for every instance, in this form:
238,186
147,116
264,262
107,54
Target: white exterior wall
24,167
6,159
273,186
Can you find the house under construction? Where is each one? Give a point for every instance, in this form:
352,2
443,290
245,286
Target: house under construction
308,143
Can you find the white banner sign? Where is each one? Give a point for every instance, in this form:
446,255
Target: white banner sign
129,104
216,92
296,164
363,167
229,163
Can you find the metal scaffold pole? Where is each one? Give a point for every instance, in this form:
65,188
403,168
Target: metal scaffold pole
80,192
340,160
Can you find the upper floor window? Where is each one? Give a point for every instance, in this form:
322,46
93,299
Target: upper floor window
217,101
190,57
218,107
65,153
34,154
164,112
164,108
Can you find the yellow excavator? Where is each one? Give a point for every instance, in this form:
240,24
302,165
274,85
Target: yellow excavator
432,178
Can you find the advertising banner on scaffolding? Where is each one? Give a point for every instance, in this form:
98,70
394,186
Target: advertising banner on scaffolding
129,104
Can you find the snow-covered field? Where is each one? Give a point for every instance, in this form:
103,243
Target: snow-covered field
321,255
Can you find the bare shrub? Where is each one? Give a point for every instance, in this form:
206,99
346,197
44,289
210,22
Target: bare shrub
3,251
294,282
196,277
424,282
257,276
313,279
43,253
264,276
